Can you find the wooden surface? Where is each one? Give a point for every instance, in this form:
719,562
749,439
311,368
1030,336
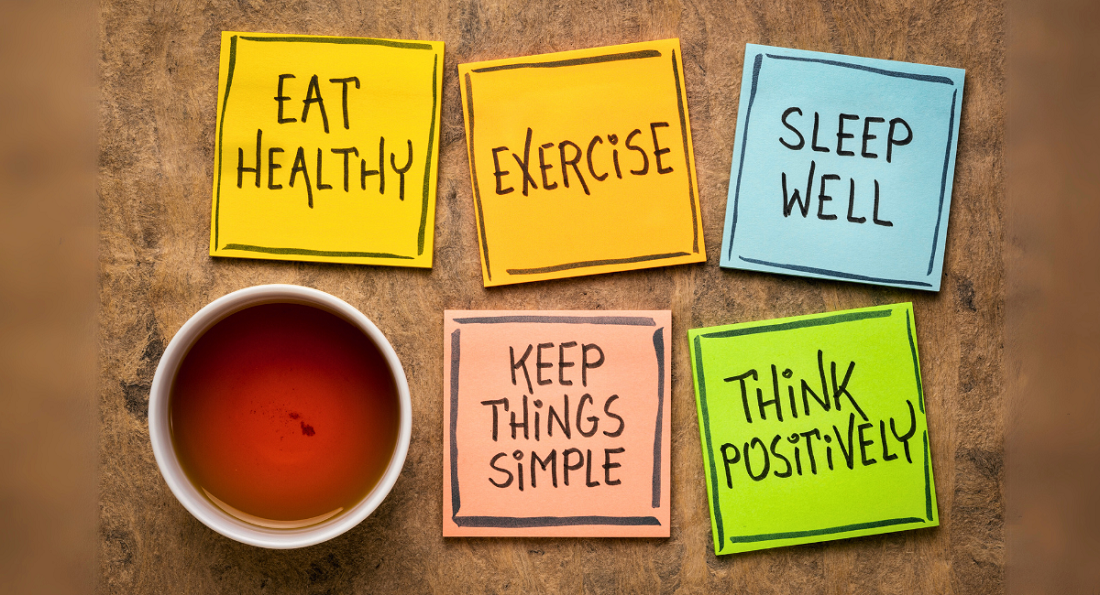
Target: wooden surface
158,65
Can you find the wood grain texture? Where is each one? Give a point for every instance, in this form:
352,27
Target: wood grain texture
158,65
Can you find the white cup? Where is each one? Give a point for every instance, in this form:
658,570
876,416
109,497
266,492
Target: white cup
160,433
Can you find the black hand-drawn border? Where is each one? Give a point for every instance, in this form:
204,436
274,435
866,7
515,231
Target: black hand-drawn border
721,539
452,428
598,59
757,64
428,159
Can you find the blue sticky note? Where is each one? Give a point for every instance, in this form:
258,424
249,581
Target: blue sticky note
842,167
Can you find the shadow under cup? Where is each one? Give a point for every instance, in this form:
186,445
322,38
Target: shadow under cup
280,416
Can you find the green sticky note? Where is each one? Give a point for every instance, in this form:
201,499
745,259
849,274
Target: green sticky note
813,428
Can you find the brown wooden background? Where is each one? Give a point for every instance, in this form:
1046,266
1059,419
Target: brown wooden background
158,68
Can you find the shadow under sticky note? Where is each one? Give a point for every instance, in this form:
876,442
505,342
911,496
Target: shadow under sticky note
813,428
842,167
326,149
581,162
556,424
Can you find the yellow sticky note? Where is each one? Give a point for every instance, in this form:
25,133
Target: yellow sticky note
581,162
326,149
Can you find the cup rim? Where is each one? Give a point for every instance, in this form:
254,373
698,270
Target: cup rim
160,434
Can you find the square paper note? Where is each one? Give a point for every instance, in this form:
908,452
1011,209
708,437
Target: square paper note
326,149
813,428
556,424
842,167
581,162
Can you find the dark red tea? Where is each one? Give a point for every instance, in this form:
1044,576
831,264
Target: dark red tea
284,415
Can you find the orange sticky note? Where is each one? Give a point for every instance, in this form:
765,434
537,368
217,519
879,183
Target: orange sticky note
581,162
556,423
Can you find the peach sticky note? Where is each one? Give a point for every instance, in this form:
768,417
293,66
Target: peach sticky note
581,162
326,149
556,423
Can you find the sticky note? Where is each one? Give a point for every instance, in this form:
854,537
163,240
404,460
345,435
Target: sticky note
556,424
813,428
326,149
842,168
581,162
